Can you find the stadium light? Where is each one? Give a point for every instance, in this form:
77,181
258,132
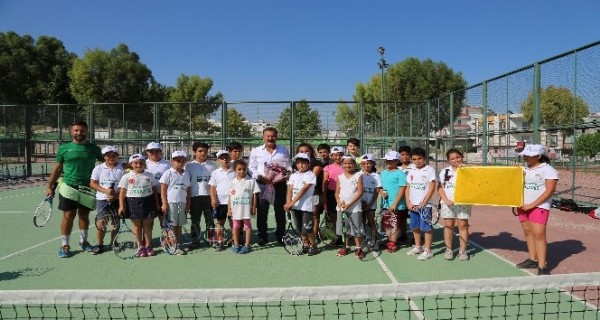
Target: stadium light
382,65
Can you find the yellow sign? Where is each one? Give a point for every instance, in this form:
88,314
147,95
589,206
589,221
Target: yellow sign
493,186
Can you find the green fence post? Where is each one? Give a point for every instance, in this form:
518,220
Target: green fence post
59,124
91,124
293,127
28,143
224,125
574,155
484,123
361,126
428,128
536,103
156,123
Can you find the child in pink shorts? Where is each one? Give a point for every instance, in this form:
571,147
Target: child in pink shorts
243,198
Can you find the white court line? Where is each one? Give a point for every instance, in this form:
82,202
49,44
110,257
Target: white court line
33,247
12,211
20,195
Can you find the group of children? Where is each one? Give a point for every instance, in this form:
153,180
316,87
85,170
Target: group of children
339,182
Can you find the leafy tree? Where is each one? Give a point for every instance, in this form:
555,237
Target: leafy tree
409,80
34,71
192,92
556,109
307,121
237,125
588,144
116,76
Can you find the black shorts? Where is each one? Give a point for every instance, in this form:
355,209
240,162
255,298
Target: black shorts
65,204
102,208
141,208
220,213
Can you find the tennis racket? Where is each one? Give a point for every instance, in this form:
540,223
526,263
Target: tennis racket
43,212
125,245
389,220
292,242
327,231
216,235
427,215
107,218
168,240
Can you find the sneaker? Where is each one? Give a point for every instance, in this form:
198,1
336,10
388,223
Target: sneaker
312,251
235,249
149,251
463,256
449,255
415,251
374,247
305,249
427,254
527,264
142,252
86,246
115,246
359,253
98,249
343,252
391,247
543,271
244,250
64,251
179,252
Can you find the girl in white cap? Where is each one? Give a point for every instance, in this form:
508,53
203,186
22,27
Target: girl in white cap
540,184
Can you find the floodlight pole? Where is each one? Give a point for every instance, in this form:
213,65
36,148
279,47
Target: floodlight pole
382,65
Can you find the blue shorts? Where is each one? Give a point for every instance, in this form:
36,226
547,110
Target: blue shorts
417,221
220,213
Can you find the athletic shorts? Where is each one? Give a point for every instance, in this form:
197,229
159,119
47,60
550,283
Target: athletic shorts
535,215
462,212
141,208
417,222
220,213
101,206
177,214
75,197
304,221
354,225
237,224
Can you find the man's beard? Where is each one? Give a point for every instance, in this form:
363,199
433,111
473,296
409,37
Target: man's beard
79,137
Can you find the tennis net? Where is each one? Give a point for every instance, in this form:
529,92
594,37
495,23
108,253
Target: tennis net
572,296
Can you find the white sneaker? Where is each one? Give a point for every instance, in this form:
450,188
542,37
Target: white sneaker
448,255
463,255
425,255
415,251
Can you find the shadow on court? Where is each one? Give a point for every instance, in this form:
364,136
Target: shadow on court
24,273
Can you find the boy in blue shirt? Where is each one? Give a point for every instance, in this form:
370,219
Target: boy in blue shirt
393,183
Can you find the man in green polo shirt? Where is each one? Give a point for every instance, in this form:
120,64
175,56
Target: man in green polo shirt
75,160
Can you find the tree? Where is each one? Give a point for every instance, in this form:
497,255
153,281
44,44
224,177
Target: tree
307,121
588,144
556,109
192,92
411,80
237,125
34,71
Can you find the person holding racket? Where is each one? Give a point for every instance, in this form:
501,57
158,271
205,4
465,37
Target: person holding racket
105,179
175,191
200,170
371,187
138,200
451,213
301,186
348,192
330,175
393,184
243,200
540,183
76,161
156,165
220,186
420,186
405,165
316,166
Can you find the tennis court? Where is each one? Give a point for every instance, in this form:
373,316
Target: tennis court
343,286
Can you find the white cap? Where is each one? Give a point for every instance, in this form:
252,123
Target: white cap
392,155
153,145
108,149
136,156
178,153
301,155
337,149
532,150
348,156
222,152
367,157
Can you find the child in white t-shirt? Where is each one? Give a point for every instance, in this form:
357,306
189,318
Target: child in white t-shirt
301,187
349,191
243,200
175,191
420,186
220,186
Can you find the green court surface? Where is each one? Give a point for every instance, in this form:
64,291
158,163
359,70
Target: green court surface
28,260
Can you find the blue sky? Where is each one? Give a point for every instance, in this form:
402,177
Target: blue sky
315,50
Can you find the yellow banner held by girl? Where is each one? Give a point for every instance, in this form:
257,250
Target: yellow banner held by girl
490,185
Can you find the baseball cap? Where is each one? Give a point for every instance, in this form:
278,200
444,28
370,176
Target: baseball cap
108,149
348,156
301,155
532,150
153,145
178,153
337,149
222,152
367,157
392,155
135,157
